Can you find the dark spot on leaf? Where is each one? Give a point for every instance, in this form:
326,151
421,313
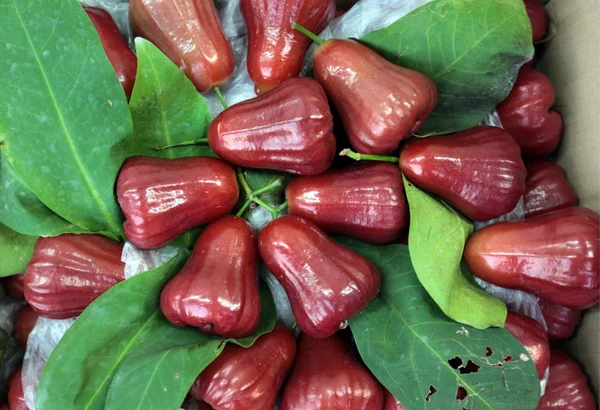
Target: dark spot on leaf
461,393
488,351
432,391
464,408
456,363
471,367
508,358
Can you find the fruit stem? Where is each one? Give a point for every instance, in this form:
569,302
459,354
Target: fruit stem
252,196
281,207
244,183
270,187
220,96
366,157
184,144
244,207
307,33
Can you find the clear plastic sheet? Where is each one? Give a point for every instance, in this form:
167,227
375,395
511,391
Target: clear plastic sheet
9,307
140,260
282,303
42,340
12,359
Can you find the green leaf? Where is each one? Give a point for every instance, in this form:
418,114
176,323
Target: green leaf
471,49
411,346
15,251
260,178
64,119
436,241
23,212
81,367
166,107
159,374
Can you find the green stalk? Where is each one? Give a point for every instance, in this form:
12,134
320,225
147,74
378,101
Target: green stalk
307,33
366,157
184,144
220,96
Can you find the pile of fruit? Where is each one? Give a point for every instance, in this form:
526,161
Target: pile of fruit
369,204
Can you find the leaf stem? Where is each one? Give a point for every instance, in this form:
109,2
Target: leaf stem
248,202
220,96
184,144
244,183
267,188
281,207
307,33
367,157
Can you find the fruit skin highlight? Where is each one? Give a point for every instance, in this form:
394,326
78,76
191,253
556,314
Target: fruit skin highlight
547,189
533,337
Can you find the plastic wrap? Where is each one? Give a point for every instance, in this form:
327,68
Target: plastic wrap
282,303
139,260
9,307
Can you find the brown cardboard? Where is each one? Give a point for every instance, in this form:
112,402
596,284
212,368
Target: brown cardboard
571,59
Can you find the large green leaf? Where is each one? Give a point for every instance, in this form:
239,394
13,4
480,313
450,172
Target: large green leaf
166,107
23,212
425,359
472,50
436,241
64,120
15,251
81,367
159,374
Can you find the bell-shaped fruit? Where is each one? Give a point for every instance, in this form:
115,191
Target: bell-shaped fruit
533,337
248,379
14,286
391,403
327,376
365,201
68,272
24,324
379,103
190,34
326,283
479,170
163,198
547,188
538,18
289,129
275,50
16,396
567,387
217,289
561,321
119,54
527,115
554,256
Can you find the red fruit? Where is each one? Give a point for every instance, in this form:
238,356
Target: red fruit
561,321
526,114
5,407
391,403
533,337
365,201
16,397
14,286
248,379
118,52
203,406
275,50
217,290
24,323
327,376
339,12
379,103
554,256
289,129
325,282
68,272
190,34
567,387
479,171
163,198
547,188
538,17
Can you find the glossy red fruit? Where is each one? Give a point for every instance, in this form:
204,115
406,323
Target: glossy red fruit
289,129
527,115
275,50
379,103
118,52
204,406
479,170
68,272
16,397
533,337
567,387
163,198
339,12
14,286
554,256
561,321
391,403
327,376
248,379
217,290
5,407
190,34
538,18
325,282
24,323
547,188
365,201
